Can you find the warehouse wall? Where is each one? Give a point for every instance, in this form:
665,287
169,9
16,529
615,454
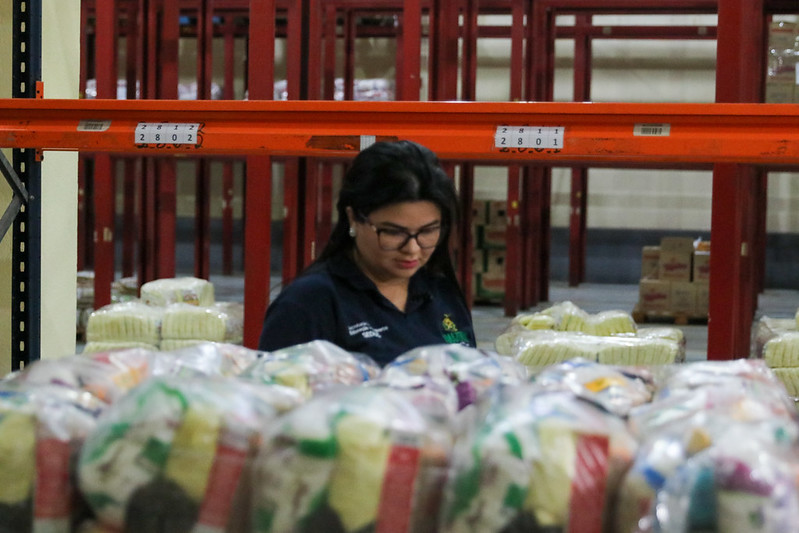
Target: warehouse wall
60,62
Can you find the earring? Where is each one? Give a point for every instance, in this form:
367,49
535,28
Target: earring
352,231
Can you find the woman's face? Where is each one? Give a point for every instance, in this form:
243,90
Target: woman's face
397,240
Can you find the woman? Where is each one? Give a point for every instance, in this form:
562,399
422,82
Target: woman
385,282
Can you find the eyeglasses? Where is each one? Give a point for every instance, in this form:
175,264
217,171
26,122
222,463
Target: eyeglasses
391,239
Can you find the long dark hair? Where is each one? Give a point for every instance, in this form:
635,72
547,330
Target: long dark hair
387,173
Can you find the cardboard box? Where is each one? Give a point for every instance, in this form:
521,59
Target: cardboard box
478,261
654,295
682,298
650,262
495,261
702,299
675,265
497,213
490,237
480,212
489,287
701,268
681,245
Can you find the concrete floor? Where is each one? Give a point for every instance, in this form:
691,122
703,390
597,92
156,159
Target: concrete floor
490,321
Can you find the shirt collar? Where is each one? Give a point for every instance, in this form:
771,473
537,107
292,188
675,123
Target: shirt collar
342,266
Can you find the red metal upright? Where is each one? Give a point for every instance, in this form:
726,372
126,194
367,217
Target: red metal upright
202,190
579,175
258,185
103,183
733,287
227,164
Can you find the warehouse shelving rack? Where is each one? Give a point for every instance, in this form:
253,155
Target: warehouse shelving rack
731,293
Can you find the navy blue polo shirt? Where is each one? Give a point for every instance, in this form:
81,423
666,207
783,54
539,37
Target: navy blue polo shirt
335,301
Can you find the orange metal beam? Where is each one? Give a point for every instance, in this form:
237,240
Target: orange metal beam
764,134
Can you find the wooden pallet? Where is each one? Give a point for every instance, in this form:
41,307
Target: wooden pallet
667,317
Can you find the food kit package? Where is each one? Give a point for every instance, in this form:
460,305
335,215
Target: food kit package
712,474
189,290
617,389
470,370
175,453
41,430
311,367
538,461
127,322
106,375
207,359
352,459
185,321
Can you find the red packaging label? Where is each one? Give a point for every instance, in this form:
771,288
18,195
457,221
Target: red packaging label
396,495
589,484
53,494
222,483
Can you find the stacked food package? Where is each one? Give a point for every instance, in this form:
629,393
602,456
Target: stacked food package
220,438
718,453
564,331
172,313
311,367
776,340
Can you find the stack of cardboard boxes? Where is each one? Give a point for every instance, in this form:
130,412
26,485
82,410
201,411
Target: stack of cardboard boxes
674,279
489,219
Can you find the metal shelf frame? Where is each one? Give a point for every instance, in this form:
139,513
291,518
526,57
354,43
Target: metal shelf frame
728,135
737,140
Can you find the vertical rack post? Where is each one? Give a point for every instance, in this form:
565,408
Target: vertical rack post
26,276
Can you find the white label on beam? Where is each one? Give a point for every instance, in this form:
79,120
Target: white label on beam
535,137
94,125
652,130
166,133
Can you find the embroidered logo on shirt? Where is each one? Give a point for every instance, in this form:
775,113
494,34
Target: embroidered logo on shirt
451,334
366,330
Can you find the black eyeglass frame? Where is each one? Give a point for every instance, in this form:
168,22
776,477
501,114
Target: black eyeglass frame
408,235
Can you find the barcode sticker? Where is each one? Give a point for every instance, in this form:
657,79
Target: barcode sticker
535,137
94,125
652,130
167,133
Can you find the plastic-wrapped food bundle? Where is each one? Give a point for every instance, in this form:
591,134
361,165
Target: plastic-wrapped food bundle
713,474
352,460
616,389
190,290
124,325
638,351
742,484
538,349
106,375
311,367
540,461
187,325
174,454
613,322
207,359
768,328
471,371
782,350
41,430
